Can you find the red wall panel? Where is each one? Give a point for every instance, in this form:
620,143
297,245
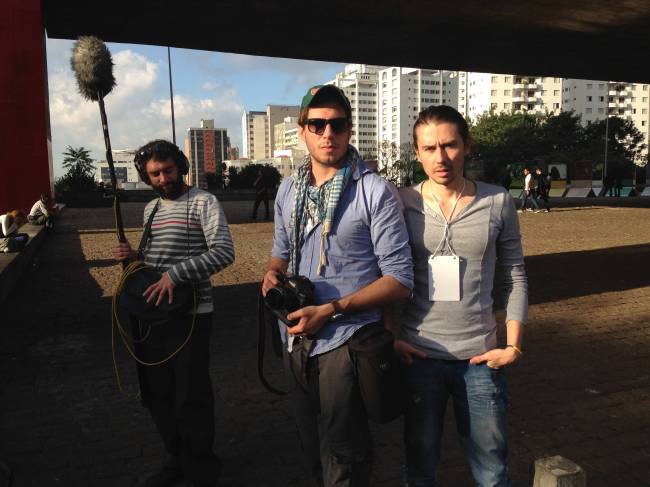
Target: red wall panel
25,163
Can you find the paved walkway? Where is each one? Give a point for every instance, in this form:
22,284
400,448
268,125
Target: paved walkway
582,390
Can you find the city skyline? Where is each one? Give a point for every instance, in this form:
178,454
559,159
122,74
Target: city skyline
224,87
207,85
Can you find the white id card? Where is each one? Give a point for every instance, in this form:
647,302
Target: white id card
444,278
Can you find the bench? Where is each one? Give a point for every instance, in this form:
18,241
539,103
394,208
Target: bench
14,264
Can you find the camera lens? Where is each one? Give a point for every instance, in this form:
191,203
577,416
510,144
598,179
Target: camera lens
275,298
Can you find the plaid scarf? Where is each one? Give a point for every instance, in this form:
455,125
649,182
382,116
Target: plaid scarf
302,178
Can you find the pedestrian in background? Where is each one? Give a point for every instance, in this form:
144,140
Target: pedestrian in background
529,191
261,194
542,188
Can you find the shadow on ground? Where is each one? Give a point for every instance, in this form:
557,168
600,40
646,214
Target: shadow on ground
554,277
581,390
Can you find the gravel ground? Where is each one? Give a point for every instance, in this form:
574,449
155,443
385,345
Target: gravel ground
582,390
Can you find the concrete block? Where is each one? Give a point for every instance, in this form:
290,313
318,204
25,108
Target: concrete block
558,471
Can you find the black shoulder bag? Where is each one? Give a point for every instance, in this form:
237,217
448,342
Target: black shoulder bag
378,372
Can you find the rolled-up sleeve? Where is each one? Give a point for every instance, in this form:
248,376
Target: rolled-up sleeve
390,237
510,259
282,208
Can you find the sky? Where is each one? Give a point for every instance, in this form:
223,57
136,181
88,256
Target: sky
206,85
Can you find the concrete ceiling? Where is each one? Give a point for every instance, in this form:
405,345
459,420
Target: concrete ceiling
591,39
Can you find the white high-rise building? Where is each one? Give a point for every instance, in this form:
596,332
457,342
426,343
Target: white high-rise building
258,130
402,94
287,136
359,83
587,98
594,100
483,92
254,135
276,114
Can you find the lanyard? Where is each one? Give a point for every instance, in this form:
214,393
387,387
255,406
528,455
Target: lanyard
445,236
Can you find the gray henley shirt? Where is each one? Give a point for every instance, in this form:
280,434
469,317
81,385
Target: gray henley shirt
485,235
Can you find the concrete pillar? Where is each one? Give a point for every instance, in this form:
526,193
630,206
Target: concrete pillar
25,161
558,471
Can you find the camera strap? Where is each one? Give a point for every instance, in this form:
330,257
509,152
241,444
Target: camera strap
264,320
147,231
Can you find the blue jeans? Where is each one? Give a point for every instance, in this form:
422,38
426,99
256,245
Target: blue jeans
479,399
525,195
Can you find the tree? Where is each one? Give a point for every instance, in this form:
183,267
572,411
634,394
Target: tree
78,161
244,178
562,137
505,138
399,164
625,143
79,177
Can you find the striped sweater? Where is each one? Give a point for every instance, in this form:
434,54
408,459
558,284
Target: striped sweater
190,239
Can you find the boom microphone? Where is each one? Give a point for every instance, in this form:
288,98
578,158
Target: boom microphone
93,67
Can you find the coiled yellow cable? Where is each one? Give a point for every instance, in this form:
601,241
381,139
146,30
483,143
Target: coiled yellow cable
117,327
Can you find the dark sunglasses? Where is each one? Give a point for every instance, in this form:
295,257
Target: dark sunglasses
317,125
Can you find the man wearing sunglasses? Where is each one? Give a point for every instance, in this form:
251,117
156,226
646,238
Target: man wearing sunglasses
339,225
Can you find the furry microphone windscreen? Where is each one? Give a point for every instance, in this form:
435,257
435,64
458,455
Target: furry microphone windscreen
93,67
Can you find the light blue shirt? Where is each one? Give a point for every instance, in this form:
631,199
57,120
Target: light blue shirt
368,240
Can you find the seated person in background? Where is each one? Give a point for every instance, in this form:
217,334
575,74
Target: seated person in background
10,239
40,214
11,222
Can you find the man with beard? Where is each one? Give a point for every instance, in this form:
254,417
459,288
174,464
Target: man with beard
339,225
189,241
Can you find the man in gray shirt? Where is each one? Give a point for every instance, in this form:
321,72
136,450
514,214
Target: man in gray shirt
462,234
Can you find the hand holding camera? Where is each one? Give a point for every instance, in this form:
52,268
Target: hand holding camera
290,294
310,319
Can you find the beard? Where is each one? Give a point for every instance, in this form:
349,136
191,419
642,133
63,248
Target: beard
170,191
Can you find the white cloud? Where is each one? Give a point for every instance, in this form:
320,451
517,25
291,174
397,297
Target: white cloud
210,86
137,108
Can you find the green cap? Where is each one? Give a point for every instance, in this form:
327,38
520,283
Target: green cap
316,92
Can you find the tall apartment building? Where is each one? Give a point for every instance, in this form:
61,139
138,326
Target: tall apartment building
402,94
258,129
591,99
206,147
254,129
276,114
596,99
359,83
481,92
287,137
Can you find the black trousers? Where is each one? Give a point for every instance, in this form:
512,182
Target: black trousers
179,396
332,422
259,198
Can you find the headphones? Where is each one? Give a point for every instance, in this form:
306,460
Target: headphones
159,148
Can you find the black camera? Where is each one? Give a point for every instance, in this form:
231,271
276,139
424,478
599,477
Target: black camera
293,293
